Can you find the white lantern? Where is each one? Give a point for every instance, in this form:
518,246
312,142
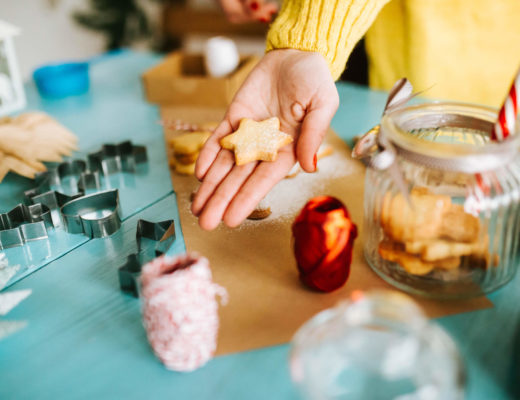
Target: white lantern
12,97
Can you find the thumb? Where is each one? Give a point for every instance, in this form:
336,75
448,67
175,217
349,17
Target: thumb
314,127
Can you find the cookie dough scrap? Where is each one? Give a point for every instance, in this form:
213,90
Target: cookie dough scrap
256,141
260,213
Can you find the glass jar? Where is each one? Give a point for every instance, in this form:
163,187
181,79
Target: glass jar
442,213
377,345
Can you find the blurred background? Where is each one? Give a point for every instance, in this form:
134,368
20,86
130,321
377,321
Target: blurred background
76,30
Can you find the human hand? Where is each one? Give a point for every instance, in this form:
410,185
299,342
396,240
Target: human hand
295,86
242,11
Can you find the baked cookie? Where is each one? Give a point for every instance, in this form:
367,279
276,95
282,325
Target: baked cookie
181,125
186,158
256,141
433,250
432,217
434,233
189,143
185,169
413,264
185,149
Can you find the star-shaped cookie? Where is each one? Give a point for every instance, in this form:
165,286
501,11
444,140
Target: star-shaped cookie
254,141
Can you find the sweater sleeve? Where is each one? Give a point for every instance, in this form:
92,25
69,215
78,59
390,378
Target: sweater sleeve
329,27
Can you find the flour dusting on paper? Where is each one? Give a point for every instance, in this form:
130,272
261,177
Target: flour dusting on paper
288,197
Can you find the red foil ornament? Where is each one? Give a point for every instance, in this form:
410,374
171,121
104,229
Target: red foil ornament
323,237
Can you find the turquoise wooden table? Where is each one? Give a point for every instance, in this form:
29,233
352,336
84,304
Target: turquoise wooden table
85,339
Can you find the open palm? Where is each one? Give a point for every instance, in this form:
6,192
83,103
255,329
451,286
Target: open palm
294,86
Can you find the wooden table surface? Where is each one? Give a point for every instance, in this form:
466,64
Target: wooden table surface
84,339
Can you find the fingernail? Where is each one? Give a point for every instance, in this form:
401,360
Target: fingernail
315,161
254,6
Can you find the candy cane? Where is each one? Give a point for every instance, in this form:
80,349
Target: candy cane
506,123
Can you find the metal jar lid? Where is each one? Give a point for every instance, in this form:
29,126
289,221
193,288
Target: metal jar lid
397,125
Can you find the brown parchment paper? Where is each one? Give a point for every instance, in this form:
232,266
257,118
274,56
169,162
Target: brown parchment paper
267,302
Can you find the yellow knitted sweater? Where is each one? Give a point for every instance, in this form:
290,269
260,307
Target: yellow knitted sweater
329,27
465,50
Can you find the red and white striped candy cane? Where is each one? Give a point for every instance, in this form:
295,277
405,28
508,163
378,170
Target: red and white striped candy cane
505,125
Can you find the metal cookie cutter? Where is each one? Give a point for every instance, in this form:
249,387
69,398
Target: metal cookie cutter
95,215
77,169
53,199
113,158
162,234
153,239
23,224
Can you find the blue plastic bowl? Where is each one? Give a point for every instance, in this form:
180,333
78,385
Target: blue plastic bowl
62,80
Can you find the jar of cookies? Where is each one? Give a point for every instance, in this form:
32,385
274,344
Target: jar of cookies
442,201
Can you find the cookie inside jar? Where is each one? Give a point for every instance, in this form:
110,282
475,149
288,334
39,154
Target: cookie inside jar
454,232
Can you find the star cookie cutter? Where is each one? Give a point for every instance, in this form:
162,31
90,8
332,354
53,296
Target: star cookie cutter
161,233
95,215
129,273
153,239
121,157
24,224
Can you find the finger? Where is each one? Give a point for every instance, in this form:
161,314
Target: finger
266,12
215,207
314,127
252,6
218,171
236,11
211,149
261,181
